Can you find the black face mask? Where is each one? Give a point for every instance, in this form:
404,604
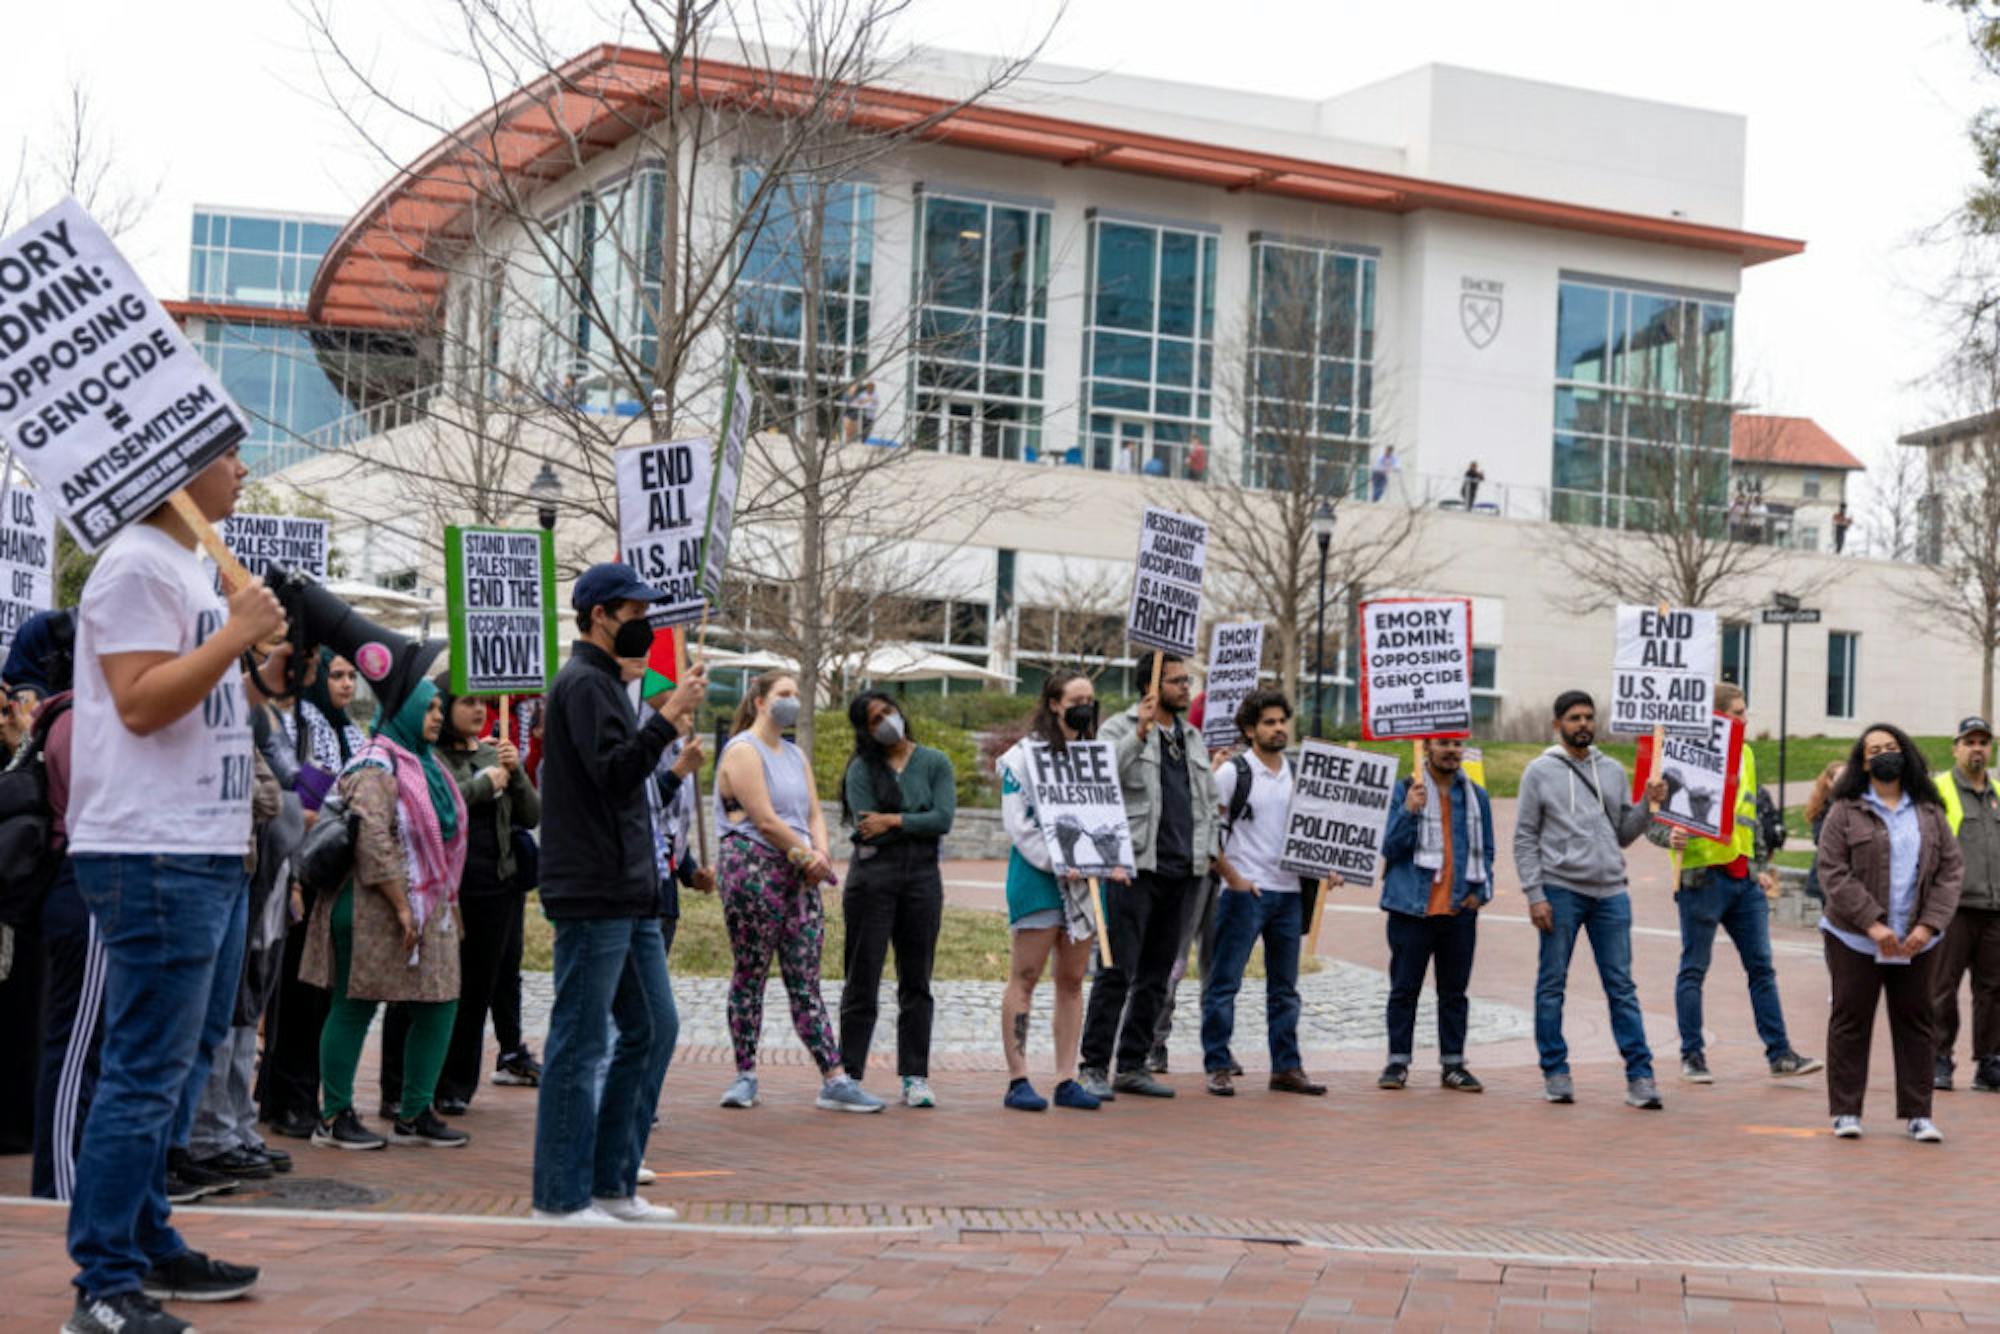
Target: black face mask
1081,718
1886,767
633,640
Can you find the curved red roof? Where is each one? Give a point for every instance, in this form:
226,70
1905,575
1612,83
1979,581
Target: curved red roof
379,273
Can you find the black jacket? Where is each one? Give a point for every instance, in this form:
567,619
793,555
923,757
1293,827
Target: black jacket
597,833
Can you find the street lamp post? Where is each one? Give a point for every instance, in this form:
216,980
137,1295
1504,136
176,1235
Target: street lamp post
546,490
1322,526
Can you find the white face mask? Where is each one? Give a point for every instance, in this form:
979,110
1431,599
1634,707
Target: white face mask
889,731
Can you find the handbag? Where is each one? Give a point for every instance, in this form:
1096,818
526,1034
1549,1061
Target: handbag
325,860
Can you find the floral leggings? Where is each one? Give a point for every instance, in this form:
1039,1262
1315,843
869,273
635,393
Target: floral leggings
770,910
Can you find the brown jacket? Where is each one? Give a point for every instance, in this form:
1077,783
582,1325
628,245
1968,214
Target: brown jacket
1854,867
378,969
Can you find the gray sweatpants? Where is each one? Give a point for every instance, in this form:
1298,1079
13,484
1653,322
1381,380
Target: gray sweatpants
227,1115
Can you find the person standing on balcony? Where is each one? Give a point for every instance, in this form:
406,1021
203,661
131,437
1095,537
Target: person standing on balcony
1385,467
1468,489
1842,521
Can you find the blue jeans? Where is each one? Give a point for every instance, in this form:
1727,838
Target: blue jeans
1740,908
588,1142
1609,922
172,928
1240,920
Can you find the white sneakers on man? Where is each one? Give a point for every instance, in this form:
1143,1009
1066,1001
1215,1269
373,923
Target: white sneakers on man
632,1209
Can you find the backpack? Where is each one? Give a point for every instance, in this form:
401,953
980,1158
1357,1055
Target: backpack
30,854
1770,822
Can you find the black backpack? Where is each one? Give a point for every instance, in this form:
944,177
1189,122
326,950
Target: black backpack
30,855
1770,822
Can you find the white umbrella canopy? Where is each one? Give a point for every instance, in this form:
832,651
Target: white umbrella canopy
756,660
912,662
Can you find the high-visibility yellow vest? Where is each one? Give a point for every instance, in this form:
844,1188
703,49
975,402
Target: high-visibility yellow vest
1743,843
1954,810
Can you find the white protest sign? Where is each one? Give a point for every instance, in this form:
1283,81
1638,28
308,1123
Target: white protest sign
1080,807
500,600
1166,592
1703,776
103,400
1663,668
728,470
1234,651
1338,813
27,560
662,497
264,542
1416,668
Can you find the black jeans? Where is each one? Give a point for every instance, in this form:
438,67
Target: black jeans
482,955
288,1077
1414,942
1144,926
895,897
506,1004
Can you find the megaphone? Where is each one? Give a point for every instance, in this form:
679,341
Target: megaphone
391,663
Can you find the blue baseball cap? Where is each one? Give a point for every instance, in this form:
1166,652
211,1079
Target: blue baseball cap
611,581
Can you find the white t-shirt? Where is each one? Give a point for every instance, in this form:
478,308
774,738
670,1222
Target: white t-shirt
1257,841
185,788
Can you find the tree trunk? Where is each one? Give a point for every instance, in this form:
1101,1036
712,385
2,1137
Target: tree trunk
1986,681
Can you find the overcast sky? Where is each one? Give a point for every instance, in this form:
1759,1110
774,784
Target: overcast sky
1856,125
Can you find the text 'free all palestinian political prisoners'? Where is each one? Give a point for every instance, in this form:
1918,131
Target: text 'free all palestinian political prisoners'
1338,812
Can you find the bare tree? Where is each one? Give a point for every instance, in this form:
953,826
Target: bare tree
1892,526
1076,619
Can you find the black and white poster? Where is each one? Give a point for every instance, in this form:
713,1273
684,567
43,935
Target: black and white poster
1166,591
1338,814
102,399
264,542
721,517
1234,652
1080,807
1416,668
662,496
1663,671
27,559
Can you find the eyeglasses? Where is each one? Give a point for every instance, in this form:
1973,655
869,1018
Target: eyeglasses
1174,680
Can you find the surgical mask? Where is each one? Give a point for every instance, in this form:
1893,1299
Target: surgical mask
1081,718
633,640
1886,767
889,731
784,711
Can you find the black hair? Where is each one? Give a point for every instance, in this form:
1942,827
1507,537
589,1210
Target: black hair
1045,725
583,619
1143,666
872,755
450,739
1853,781
1569,699
1251,711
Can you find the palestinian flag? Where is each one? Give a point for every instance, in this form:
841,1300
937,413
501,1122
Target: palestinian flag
660,673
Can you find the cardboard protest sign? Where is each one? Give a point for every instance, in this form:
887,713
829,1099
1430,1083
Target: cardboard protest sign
1663,668
27,559
1166,592
662,492
1080,807
1416,668
500,586
103,400
264,542
1474,765
728,477
1703,776
1338,813
1234,651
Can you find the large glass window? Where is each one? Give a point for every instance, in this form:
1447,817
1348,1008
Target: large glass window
1843,657
1312,365
982,272
1642,411
1736,655
255,261
604,263
1149,348
275,373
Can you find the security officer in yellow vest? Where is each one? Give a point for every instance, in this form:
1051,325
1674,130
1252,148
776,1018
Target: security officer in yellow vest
1972,941
1726,885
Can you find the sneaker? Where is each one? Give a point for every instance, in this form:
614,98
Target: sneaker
345,1131
1395,1075
180,1191
1924,1131
1941,1075
1986,1079
1790,1064
430,1131
294,1125
1847,1127
1021,1097
1459,1078
742,1093
1558,1088
1091,1079
842,1094
632,1209
590,1213
1643,1093
389,1109
193,1277
917,1092
519,1069
1694,1069
1069,1093
1235,1070
182,1164
240,1163
280,1161
1156,1060
1219,1085
452,1106
647,1176
1142,1083
121,1313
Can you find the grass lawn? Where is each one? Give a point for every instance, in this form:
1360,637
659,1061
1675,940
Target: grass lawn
972,944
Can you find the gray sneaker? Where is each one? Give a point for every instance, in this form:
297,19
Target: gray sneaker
1643,1093
743,1093
1142,1083
1558,1088
842,1094
1092,1080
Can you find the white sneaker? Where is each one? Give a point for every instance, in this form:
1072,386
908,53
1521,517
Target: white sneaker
917,1092
647,1176
632,1209
589,1214
1847,1127
742,1093
1923,1131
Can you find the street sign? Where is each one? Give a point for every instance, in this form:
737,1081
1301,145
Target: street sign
1791,616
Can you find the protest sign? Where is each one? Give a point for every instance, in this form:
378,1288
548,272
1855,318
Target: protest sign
1663,668
103,400
1080,807
27,559
1416,668
500,599
1702,776
263,542
721,518
662,489
1338,813
1234,651
1166,591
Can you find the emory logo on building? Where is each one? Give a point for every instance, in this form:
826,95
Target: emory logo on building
1479,309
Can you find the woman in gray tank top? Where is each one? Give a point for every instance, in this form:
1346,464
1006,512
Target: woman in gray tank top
770,866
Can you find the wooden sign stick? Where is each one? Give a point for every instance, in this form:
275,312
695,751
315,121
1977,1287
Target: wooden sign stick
1319,911
506,701
234,576
1154,690
1103,928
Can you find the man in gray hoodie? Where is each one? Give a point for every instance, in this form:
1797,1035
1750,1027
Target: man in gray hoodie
1570,830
